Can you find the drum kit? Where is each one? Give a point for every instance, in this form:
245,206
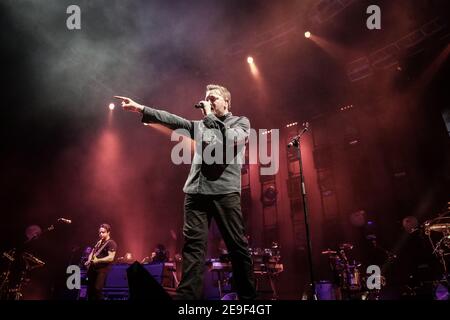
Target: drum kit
438,232
348,279
16,276
17,264
431,278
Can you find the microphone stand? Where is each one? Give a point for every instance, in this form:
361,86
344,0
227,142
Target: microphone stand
48,229
295,142
37,236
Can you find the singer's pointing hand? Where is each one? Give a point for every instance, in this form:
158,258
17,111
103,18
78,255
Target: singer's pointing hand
130,105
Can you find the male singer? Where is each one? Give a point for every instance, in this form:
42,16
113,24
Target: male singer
212,190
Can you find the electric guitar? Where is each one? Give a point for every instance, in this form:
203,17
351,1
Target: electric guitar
96,250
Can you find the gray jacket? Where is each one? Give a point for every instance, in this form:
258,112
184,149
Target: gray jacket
228,133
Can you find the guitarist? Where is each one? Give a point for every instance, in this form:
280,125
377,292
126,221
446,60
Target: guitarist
99,262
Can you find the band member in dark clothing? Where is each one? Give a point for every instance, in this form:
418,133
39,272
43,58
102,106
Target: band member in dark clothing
99,262
212,189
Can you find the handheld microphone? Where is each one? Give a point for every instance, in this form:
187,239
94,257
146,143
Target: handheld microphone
199,105
65,220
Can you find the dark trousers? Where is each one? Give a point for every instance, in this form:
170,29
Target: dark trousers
198,212
96,282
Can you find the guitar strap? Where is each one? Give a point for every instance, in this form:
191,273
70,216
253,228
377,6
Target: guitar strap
101,248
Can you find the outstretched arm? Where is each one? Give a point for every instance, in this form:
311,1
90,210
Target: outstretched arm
151,115
130,105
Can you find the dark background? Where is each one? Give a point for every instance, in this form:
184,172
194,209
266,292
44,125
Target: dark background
64,154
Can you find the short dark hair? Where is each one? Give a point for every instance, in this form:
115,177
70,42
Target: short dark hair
105,226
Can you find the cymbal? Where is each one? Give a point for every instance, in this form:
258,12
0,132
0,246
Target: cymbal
329,251
439,227
32,259
439,224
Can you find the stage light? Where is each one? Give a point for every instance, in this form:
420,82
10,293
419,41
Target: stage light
111,106
250,60
291,124
307,34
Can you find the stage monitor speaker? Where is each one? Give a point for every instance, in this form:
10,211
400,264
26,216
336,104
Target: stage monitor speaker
143,286
117,276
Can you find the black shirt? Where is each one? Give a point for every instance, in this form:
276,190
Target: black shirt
111,245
